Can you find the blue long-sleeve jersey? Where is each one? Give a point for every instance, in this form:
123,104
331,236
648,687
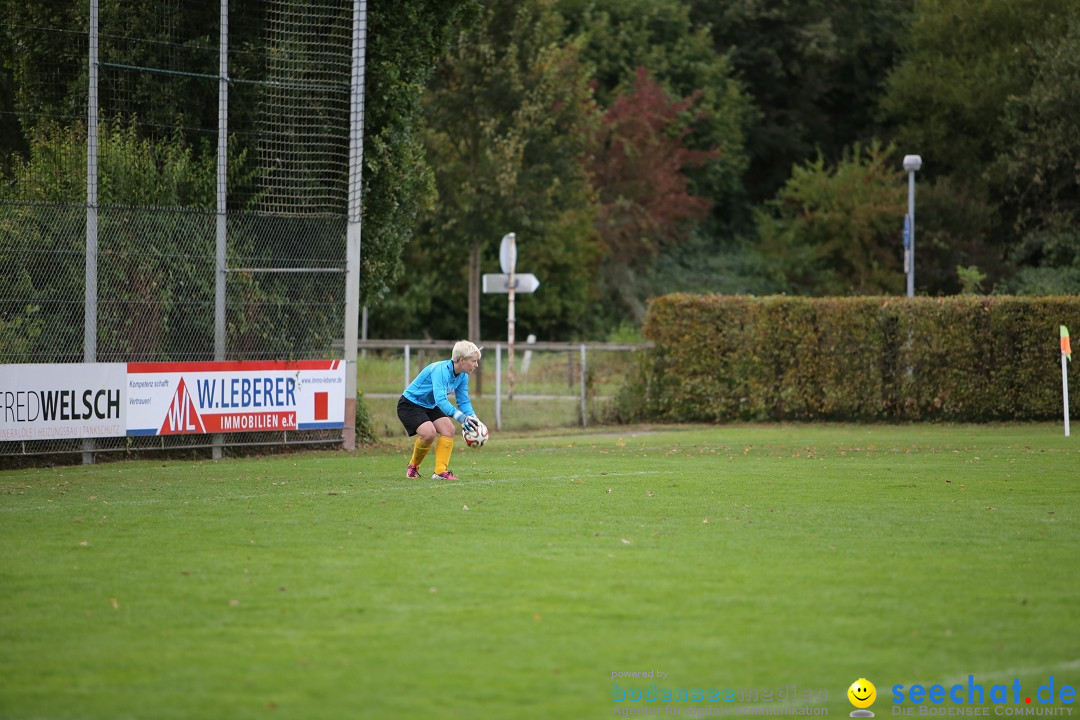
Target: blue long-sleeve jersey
435,382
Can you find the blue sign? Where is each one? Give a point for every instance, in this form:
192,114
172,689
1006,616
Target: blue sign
907,232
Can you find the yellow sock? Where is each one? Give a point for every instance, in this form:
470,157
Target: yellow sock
419,451
443,447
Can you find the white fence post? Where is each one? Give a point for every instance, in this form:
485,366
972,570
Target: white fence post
584,414
527,358
498,386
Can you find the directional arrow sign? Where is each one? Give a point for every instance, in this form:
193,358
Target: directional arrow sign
499,283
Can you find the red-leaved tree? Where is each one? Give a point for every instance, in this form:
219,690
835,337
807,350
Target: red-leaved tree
638,170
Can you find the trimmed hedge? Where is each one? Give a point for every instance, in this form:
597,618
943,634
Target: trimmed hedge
964,358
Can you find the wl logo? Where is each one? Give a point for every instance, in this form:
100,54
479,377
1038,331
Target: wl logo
182,416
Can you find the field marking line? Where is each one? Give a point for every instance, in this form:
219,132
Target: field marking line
500,481
1010,673
339,491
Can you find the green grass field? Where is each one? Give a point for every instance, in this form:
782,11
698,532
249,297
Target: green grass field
326,585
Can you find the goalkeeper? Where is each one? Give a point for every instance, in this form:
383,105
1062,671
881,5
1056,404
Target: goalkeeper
425,411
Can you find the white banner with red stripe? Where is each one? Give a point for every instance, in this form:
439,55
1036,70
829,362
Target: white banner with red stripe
222,397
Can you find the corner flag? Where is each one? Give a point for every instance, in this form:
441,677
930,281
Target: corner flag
1066,358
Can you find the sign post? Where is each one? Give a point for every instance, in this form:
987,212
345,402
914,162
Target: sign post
508,261
510,282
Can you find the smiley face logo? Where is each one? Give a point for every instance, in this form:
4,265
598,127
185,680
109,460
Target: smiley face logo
862,693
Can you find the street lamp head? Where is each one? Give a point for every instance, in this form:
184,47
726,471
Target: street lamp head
912,163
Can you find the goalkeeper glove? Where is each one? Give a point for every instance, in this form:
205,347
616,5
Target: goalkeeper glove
467,421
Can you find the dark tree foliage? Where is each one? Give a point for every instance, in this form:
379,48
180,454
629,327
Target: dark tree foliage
986,93
814,69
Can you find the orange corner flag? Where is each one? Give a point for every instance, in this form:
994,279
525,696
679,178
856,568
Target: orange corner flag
1065,343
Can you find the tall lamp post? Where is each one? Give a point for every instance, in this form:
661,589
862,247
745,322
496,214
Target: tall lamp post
911,163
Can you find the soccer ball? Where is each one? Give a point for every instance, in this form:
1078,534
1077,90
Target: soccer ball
477,437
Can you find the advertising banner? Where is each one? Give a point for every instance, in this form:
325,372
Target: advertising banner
50,402
222,397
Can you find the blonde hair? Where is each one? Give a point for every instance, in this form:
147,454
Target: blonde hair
464,349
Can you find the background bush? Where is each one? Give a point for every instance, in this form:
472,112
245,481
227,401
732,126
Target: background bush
966,358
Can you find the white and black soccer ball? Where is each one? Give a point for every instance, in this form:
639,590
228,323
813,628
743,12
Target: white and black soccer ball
477,437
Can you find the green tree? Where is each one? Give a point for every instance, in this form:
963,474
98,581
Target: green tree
508,113
833,230
1048,263
46,52
963,60
406,40
971,279
155,258
1040,164
150,264
955,223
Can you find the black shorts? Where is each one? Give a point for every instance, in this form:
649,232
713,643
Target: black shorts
413,416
